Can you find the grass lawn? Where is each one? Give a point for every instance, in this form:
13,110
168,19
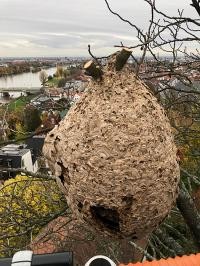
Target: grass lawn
20,102
53,82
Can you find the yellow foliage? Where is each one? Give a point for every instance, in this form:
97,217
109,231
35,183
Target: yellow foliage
20,131
26,204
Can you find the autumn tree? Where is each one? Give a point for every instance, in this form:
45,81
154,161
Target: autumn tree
26,204
59,71
43,77
20,131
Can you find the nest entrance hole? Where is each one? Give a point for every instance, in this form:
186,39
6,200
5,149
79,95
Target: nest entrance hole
107,217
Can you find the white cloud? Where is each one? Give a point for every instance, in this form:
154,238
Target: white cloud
64,27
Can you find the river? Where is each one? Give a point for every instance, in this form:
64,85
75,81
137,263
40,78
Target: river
24,80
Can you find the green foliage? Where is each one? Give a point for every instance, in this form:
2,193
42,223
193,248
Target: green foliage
19,103
172,238
53,82
183,111
61,83
13,113
31,118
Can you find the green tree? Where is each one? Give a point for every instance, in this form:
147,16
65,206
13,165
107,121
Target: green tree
31,118
50,77
61,83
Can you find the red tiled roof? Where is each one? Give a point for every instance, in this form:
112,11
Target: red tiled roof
64,234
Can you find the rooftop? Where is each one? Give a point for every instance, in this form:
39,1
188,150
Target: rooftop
14,150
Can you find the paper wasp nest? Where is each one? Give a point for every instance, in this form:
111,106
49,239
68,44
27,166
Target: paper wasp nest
115,155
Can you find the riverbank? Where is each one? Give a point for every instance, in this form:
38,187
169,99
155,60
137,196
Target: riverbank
22,67
13,70
24,80
17,103
20,102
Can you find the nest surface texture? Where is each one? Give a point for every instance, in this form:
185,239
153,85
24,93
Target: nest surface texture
115,156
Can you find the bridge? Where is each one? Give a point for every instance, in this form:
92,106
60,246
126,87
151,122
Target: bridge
20,89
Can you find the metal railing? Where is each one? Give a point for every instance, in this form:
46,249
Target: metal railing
26,258
55,259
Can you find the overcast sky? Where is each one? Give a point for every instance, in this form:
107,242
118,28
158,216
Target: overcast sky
66,27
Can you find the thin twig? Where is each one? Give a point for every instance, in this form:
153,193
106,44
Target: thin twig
141,250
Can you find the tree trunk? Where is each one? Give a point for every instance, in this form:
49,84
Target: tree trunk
122,58
190,214
93,70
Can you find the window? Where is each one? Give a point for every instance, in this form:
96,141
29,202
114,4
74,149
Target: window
10,174
9,163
